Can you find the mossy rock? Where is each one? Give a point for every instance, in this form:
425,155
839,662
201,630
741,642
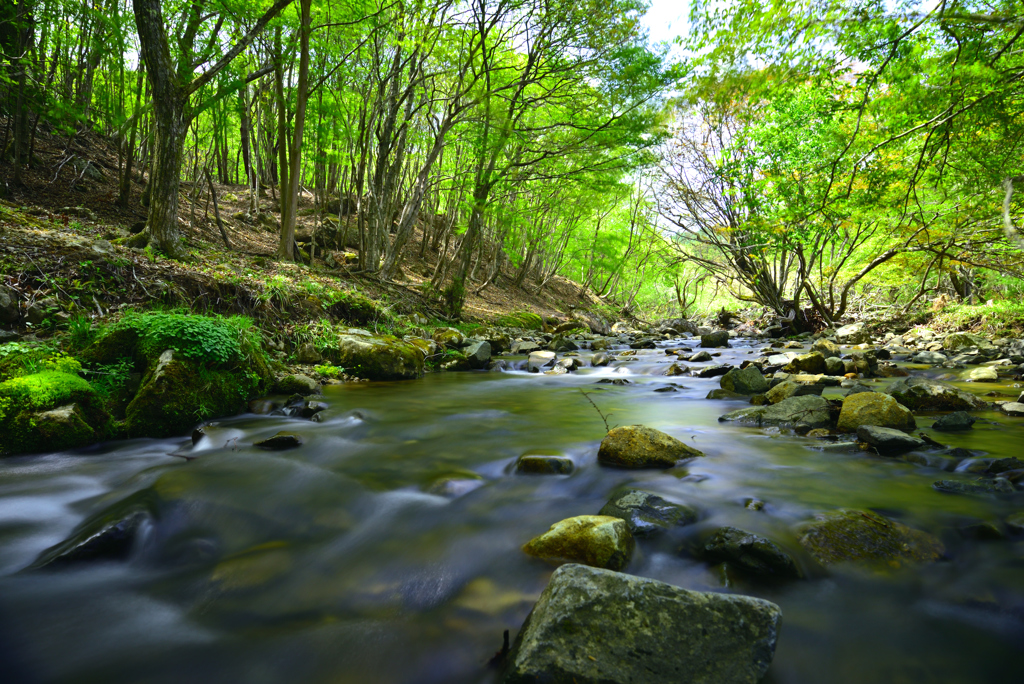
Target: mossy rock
521,319
600,541
377,357
178,393
50,411
356,309
868,538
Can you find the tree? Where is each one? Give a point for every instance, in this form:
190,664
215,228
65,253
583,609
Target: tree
172,83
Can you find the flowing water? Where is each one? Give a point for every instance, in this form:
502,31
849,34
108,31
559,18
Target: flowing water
333,562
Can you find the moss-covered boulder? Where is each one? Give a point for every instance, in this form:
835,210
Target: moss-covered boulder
812,363
49,411
865,537
592,625
449,338
192,368
744,381
749,552
919,393
377,357
638,446
599,541
875,409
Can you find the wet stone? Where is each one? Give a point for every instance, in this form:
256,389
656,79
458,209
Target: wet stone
888,440
599,541
953,422
280,442
750,552
598,626
647,513
543,464
850,535
713,371
996,486
638,446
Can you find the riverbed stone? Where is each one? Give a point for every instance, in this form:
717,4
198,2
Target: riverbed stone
856,536
834,366
749,552
888,441
478,353
855,333
543,464
954,422
995,486
874,408
1012,408
600,541
930,357
699,357
449,337
676,369
827,348
377,357
720,394
713,371
280,442
638,446
296,384
718,338
1015,522
647,513
813,363
980,374
962,340
744,381
810,410
540,360
600,359
596,626
919,393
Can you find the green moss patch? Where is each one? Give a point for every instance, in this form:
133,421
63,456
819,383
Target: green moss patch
521,319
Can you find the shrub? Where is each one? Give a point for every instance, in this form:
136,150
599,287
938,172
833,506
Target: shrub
198,338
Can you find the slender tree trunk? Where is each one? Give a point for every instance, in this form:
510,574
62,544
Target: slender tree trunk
285,249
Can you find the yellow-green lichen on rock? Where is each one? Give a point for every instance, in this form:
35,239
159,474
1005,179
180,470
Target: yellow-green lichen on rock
599,541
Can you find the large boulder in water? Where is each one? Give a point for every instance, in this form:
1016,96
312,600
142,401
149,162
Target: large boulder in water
808,410
874,408
638,446
600,541
718,338
594,626
376,357
864,537
918,393
744,381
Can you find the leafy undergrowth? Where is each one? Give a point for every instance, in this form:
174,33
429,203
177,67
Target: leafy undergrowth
1002,318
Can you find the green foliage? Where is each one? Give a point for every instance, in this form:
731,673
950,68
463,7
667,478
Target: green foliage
40,391
1004,318
213,340
329,371
81,332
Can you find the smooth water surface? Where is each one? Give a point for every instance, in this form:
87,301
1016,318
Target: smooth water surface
333,562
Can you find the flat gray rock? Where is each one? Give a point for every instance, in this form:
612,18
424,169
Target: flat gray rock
888,440
594,626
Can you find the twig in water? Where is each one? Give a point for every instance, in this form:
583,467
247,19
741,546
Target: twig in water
587,397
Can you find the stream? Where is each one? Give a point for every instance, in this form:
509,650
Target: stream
344,561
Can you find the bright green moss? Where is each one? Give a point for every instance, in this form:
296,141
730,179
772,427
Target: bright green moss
521,319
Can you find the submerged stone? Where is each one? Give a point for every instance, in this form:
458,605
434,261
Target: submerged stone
849,535
996,486
543,464
280,442
600,541
595,626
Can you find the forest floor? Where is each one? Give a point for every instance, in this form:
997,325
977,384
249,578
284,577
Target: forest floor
60,252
